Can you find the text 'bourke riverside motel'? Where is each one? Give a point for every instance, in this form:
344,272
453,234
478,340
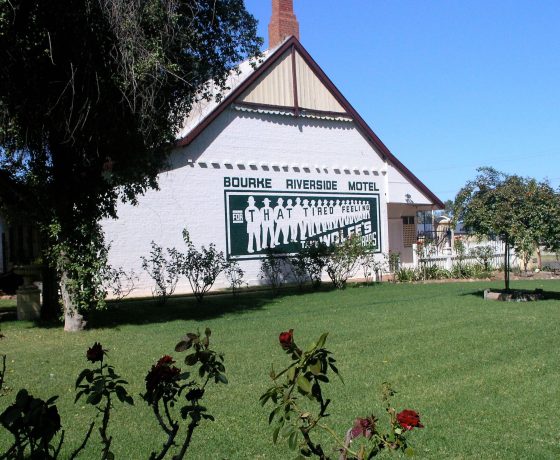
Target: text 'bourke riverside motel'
282,160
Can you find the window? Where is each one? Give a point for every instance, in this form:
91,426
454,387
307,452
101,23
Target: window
409,231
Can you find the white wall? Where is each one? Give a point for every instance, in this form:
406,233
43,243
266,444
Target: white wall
402,190
192,191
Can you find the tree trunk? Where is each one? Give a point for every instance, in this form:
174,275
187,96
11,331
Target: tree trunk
506,264
73,320
50,308
539,257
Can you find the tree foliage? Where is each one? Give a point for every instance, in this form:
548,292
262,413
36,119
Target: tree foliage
92,92
521,211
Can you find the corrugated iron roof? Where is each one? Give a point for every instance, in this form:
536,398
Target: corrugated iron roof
290,112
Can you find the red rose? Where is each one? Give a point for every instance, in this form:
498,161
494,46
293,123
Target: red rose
363,427
165,360
409,419
286,339
95,353
162,373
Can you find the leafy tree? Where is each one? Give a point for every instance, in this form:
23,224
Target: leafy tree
448,207
517,209
92,95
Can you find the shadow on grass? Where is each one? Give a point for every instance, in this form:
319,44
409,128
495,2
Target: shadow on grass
547,295
149,311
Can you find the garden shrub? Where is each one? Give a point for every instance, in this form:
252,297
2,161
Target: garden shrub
235,275
406,275
273,269
201,267
343,260
433,272
120,282
394,261
314,258
163,270
370,264
299,268
461,270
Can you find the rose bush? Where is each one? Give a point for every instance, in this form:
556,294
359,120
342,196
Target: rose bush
36,426
292,417
165,384
101,386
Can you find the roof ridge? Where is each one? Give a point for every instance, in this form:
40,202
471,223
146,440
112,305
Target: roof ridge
370,135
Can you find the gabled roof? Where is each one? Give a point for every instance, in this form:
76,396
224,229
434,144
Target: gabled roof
333,103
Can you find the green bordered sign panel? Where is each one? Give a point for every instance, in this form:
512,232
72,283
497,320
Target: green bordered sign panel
287,221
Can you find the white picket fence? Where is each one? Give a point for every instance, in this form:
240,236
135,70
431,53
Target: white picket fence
446,256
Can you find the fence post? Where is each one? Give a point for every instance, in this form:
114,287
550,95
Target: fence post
448,251
415,255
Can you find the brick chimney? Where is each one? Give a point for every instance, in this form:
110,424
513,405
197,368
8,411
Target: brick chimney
283,22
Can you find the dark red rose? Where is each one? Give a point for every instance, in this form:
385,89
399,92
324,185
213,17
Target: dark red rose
286,339
95,353
363,427
409,419
162,373
165,360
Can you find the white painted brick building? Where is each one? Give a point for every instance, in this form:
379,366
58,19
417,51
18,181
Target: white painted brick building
283,131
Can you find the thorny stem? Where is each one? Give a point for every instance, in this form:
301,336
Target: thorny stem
305,431
347,440
171,432
315,448
57,450
344,444
3,372
187,442
106,413
171,435
167,414
83,444
190,430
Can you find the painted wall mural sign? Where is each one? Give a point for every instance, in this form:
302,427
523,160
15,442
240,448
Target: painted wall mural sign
287,220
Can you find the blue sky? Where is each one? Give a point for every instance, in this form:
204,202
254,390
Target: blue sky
447,85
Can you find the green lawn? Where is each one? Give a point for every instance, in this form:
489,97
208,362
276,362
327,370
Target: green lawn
485,376
7,303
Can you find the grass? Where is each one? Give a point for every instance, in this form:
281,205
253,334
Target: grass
6,304
483,375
